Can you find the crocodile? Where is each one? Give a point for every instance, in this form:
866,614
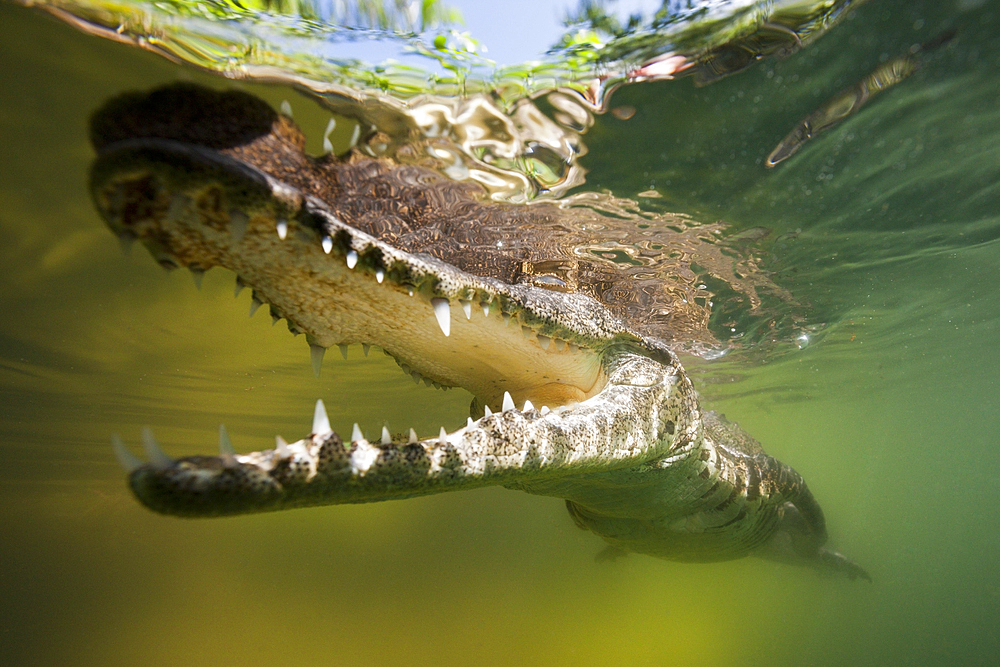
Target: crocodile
363,250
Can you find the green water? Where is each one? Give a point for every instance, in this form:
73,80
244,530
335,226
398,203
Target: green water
884,229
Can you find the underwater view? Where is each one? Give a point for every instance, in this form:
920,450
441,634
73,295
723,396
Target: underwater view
800,199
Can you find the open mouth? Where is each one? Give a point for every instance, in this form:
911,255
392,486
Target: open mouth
245,197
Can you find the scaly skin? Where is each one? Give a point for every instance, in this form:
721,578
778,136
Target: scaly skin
207,180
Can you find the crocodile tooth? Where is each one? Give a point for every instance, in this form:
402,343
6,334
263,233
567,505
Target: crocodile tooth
157,457
282,228
486,308
238,224
506,319
356,433
486,409
508,402
559,343
386,438
126,240
352,259
321,423
544,341
327,144
379,275
343,351
442,311
413,437
365,347
197,275
255,303
527,406
128,460
355,135
443,436
281,449
405,368
226,451
327,244
526,332
416,377
239,287
316,353
286,108
545,410
466,308
427,381
469,423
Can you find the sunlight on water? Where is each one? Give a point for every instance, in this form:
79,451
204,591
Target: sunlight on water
883,229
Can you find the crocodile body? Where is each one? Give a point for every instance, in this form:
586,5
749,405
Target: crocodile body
361,250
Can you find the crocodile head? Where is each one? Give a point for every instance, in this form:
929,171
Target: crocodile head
354,251
460,292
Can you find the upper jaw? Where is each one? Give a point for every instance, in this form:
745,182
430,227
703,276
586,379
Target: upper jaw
200,207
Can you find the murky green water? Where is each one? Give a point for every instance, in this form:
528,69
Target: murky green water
884,229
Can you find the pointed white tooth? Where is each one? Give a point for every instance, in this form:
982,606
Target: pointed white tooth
343,351
282,228
255,303
365,347
469,423
128,460
486,309
286,108
506,319
316,353
544,341
126,240
442,311
281,449
226,451
197,275
527,406
545,410
327,144
355,135
238,224
508,402
352,259
157,457
386,438
239,287
487,411
413,437
356,434
559,343
443,436
327,244
321,423
410,291
379,275
466,308
526,332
